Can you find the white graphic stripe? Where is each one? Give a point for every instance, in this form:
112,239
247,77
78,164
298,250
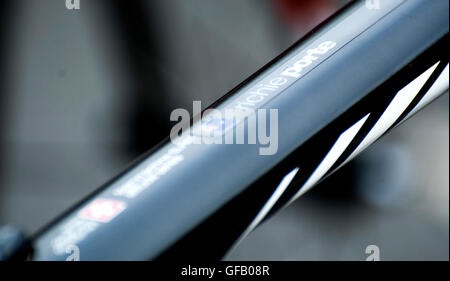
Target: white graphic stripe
269,204
332,156
439,88
397,106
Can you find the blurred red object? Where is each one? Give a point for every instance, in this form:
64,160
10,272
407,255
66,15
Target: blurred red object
303,15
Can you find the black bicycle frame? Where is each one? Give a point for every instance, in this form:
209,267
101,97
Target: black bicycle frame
337,90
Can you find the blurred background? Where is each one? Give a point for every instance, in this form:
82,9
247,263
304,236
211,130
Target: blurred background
84,92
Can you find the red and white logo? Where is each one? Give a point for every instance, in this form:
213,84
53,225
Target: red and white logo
102,210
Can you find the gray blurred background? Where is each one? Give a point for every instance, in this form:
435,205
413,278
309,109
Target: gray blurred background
84,92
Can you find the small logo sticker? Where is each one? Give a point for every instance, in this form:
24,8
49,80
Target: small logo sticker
102,210
216,126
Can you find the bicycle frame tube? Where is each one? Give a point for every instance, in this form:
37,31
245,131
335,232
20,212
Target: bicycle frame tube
339,89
